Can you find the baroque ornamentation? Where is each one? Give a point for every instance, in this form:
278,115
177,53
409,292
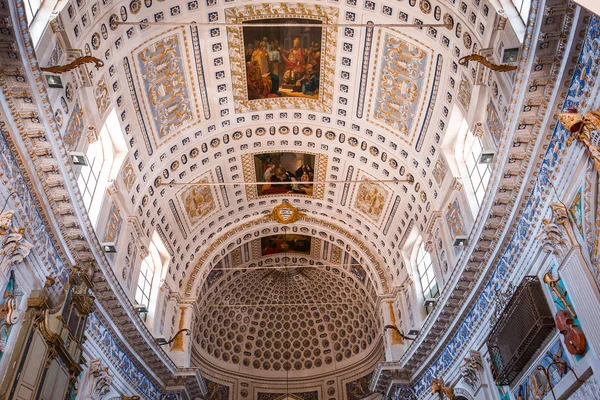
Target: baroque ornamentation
6,221
471,369
164,83
101,379
584,129
371,199
15,248
399,93
285,213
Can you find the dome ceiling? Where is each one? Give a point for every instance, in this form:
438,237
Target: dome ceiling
281,329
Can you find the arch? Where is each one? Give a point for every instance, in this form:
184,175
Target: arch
211,254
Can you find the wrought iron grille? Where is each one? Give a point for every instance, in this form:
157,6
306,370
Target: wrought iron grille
524,325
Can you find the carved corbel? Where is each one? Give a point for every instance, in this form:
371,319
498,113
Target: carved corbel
100,380
471,369
558,234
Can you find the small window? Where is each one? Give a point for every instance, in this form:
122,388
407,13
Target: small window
104,158
144,288
463,151
152,270
426,274
31,9
479,173
90,175
522,7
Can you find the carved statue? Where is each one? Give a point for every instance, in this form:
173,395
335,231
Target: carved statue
581,128
557,233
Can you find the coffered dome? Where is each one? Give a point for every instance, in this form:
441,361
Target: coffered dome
307,319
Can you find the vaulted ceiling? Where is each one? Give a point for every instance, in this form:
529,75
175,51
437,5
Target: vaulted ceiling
188,114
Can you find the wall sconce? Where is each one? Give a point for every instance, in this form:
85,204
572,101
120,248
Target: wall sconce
109,247
430,302
54,81
78,158
460,241
486,157
437,386
163,342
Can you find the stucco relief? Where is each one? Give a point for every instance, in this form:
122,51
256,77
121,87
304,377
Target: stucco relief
102,96
398,94
74,128
161,73
198,201
370,199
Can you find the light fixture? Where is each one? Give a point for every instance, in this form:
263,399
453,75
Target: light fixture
510,55
54,81
161,341
413,332
109,247
140,308
78,158
486,157
430,302
460,241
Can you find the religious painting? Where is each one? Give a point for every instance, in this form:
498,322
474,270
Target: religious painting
282,60
284,173
276,244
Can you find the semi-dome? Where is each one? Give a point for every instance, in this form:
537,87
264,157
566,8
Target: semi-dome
305,320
